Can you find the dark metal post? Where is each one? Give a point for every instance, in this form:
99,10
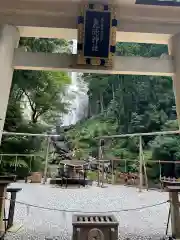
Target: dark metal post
13,192
169,215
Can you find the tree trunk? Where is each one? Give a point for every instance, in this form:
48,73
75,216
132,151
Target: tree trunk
101,103
113,91
34,117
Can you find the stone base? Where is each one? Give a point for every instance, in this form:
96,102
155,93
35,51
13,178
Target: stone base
35,177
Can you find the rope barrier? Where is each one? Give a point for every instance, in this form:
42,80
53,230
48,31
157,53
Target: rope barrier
79,211
88,212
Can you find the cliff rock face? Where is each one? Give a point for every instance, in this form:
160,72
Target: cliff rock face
63,149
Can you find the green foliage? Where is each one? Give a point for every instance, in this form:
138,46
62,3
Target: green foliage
129,104
44,45
171,125
166,148
117,105
35,104
43,92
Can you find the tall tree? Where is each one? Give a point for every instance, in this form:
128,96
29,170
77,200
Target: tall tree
43,92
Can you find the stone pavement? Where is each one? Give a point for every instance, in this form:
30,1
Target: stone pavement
40,224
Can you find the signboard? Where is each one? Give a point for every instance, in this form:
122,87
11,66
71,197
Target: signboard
175,3
97,26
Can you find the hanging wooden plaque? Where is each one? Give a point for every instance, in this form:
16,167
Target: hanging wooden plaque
97,26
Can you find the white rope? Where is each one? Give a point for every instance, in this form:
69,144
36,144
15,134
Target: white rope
88,212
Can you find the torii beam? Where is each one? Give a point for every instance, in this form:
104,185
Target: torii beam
122,65
58,19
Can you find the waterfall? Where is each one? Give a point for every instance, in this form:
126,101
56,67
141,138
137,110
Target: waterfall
77,91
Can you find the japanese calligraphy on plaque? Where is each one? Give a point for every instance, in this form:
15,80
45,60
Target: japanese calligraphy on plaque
97,25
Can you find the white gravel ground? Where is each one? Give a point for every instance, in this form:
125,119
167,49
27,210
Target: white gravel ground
38,224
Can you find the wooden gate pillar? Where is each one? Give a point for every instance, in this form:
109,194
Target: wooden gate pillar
174,206
174,51
3,186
